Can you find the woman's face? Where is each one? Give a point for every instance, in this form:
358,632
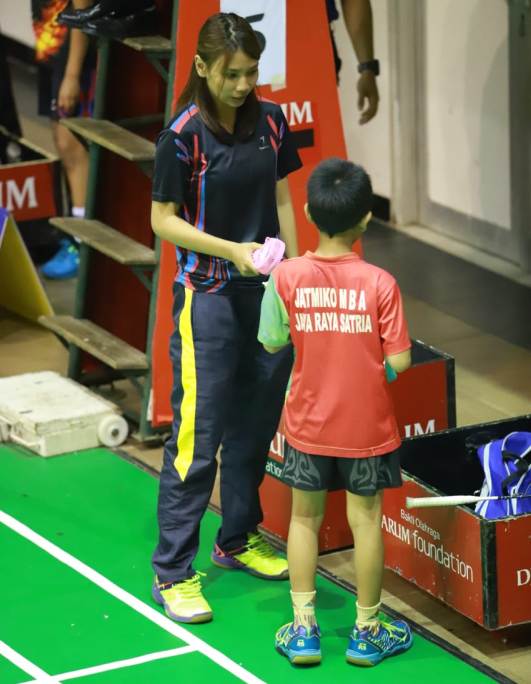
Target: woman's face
231,82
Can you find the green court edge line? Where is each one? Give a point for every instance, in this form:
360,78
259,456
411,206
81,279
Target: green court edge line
326,574
63,492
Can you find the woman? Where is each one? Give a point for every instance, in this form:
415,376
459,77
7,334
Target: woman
219,189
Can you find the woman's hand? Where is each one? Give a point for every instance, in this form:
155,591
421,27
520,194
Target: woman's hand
241,257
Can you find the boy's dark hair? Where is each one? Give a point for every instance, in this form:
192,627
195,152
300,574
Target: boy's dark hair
223,34
339,195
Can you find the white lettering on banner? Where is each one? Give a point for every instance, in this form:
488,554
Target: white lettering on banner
417,522
297,114
13,197
523,577
436,552
396,529
273,469
268,19
418,429
277,445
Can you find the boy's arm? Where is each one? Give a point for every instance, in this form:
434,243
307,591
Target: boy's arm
273,331
393,327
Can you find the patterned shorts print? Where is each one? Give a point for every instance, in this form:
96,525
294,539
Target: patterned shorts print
363,476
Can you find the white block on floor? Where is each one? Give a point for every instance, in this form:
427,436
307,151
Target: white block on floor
51,415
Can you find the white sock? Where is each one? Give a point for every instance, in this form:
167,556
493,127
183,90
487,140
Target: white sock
367,618
78,212
303,608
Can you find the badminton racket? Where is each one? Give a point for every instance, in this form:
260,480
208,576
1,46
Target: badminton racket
436,501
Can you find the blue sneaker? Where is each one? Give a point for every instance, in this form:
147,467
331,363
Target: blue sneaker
301,646
367,649
64,264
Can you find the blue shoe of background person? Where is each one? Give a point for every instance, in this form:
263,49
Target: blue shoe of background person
64,264
301,646
368,648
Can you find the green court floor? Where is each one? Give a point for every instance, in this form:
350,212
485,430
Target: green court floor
76,535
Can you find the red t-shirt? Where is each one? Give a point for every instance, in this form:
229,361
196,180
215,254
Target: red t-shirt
343,316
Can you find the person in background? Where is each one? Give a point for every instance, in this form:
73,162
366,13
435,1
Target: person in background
357,15
345,320
220,188
67,71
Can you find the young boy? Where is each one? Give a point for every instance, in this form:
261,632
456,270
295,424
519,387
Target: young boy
344,318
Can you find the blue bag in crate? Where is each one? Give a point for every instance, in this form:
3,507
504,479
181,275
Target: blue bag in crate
507,466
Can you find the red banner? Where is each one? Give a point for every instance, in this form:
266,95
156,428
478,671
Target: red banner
513,570
438,549
310,102
27,189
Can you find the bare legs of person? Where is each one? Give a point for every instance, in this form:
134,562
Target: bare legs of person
75,159
299,640
371,639
364,514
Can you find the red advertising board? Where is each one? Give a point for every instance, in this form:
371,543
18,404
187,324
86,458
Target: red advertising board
513,569
310,101
439,549
479,567
27,189
421,396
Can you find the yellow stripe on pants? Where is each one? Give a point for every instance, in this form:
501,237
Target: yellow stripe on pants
186,436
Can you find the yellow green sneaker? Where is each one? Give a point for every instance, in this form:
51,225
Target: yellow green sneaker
182,601
257,558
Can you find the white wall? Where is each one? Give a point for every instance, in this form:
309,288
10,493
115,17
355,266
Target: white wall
15,20
467,107
370,144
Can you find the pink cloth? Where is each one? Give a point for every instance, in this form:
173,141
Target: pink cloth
270,255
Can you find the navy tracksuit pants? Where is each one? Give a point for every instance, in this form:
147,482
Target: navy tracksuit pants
227,390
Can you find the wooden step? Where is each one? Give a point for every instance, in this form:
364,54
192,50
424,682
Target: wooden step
156,45
106,240
114,138
88,336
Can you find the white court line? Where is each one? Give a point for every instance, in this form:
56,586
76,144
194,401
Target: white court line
130,600
26,665
118,664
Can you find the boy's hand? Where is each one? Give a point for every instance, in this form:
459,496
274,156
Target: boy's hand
241,257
